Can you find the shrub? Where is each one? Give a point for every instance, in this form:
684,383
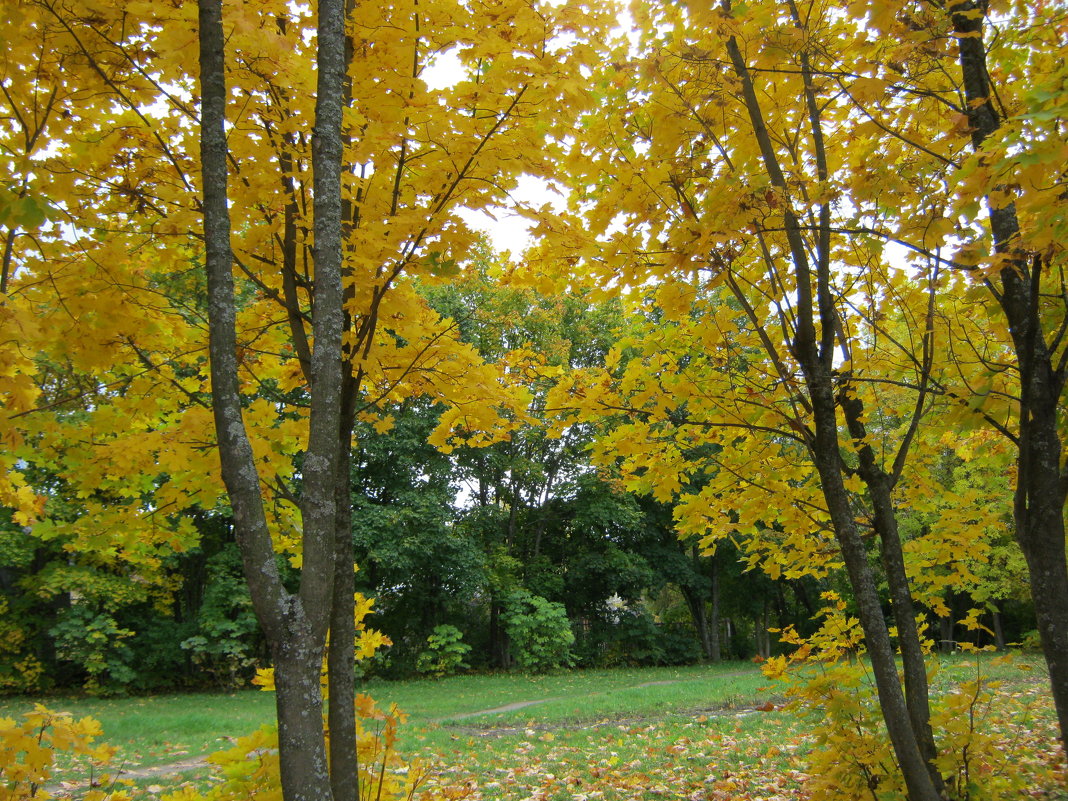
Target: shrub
984,737
539,631
93,641
249,770
228,643
444,653
158,656
20,670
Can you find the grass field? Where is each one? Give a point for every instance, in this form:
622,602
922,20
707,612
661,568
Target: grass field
707,731
155,730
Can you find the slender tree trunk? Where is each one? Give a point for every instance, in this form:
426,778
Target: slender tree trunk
714,650
341,667
695,602
999,633
892,702
947,641
498,637
884,519
1040,484
815,357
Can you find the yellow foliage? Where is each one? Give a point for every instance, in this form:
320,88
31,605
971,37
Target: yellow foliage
28,751
975,725
250,769
368,641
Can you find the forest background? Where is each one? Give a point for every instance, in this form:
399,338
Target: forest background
790,356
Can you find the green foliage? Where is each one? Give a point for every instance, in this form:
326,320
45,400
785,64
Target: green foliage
93,641
19,671
539,631
420,566
158,657
227,645
444,653
1030,641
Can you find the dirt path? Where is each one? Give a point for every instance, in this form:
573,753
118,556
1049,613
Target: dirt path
498,709
524,704
169,769
65,789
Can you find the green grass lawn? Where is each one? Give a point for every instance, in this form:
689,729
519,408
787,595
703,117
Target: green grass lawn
714,731
154,730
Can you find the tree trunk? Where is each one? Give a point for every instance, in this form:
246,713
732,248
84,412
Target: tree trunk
298,699
884,519
1040,485
946,641
999,633
899,724
696,604
714,650
341,666
815,358
295,626
498,637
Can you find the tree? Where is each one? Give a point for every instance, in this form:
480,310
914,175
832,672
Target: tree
296,625
1023,262
728,183
420,565
117,164
518,487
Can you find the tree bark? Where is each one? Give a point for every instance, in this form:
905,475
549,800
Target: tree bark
714,650
341,663
301,746
1040,484
884,520
295,626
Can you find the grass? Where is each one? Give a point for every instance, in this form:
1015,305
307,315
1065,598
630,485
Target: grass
572,695
679,756
158,730
592,735
155,730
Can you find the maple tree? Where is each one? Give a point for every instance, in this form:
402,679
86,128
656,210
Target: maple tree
1022,261
745,182
296,625
113,162
822,216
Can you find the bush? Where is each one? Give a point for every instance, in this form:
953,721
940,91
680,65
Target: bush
158,655
20,670
444,653
985,737
228,644
539,631
93,641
